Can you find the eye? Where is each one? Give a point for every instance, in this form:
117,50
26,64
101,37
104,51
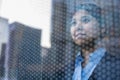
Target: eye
85,19
73,23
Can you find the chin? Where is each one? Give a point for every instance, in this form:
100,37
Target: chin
79,41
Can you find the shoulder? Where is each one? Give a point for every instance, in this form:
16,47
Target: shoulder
109,67
109,64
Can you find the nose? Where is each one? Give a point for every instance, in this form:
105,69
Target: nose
79,26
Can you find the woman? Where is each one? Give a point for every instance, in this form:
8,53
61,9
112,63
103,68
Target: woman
88,33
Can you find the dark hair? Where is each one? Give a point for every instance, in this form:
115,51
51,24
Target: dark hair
92,9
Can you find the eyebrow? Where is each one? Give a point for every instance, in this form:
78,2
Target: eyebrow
86,16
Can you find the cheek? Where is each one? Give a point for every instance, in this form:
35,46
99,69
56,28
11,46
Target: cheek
72,30
92,30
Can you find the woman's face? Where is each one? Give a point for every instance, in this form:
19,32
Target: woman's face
84,27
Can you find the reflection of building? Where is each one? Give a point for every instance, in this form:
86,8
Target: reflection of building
24,51
3,42
58,29
3,32
59,57
54,61
2,60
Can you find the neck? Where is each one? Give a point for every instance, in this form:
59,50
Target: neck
86,53
88,47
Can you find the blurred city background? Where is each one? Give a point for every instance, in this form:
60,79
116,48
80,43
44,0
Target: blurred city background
35,41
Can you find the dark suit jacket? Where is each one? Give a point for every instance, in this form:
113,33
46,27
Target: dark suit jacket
107,69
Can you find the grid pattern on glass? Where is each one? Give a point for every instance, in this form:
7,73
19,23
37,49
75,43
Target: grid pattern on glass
85,44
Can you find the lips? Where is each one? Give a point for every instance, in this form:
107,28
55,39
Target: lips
79,35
